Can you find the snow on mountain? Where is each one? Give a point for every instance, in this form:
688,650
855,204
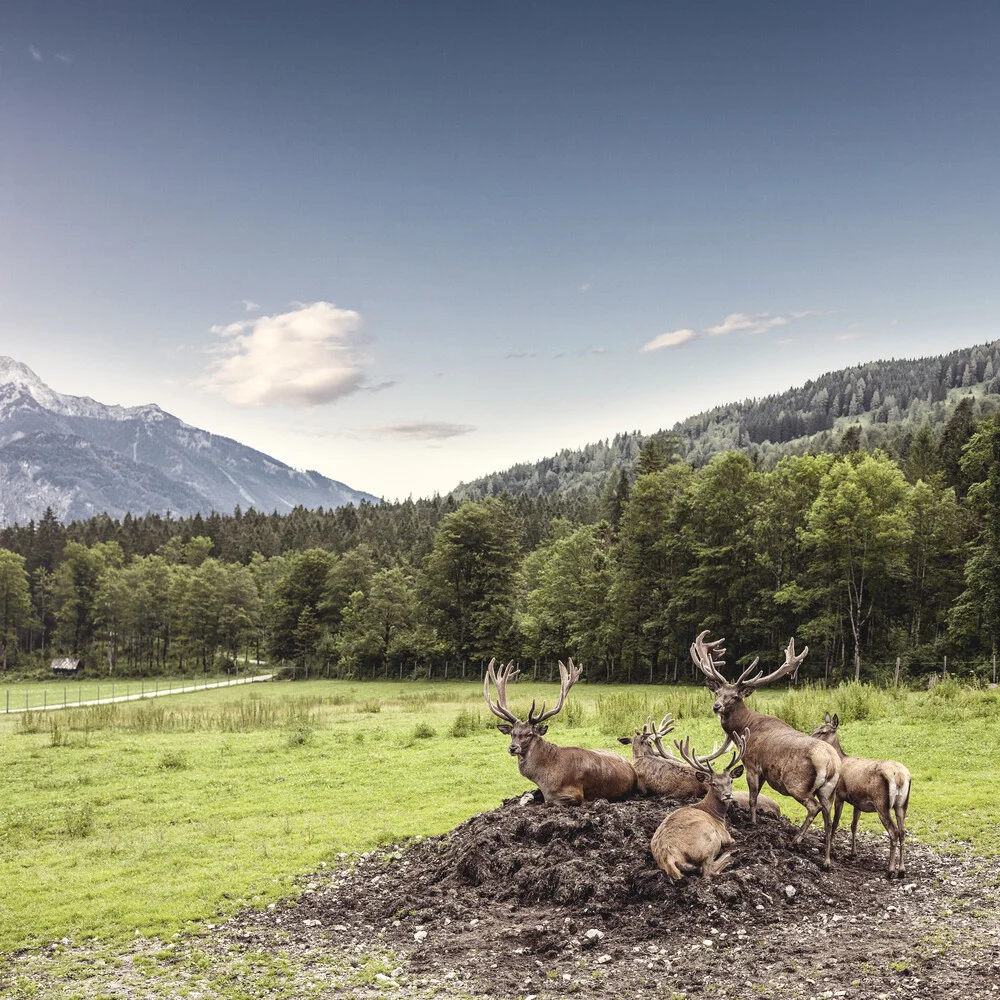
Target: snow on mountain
82,457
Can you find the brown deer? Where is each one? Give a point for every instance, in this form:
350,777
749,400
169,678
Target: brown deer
690,839
879,786
564,775
792,763
661,773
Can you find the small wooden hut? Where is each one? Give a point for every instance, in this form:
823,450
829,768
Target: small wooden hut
66,666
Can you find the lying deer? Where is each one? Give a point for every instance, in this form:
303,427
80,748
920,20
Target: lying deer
565,775
690,838
661,773
792,763
879,786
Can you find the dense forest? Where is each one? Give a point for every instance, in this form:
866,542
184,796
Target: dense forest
867,555
887,402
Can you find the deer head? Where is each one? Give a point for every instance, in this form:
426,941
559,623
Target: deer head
707,657
828,731
649,740
524,734
719,784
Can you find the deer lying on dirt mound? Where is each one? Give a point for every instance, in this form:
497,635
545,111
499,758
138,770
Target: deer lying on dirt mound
661,773
565,775
797,765
879,786
690,838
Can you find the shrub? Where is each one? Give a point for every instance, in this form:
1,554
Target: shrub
173,760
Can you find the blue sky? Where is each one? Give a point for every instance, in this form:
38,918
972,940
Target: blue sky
409,243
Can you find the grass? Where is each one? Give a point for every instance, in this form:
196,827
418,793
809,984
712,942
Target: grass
149,816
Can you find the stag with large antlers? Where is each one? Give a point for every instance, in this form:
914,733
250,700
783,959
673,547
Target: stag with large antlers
564,775
661,773
792,763
879,786
691,838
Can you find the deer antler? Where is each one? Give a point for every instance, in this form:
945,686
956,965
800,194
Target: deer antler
657,732
787,669
707,657
569,678
499,680
703,764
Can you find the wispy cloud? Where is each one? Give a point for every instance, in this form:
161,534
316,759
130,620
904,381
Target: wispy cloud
668,340
848,335
747,323
35,54
249,305
306,357
430,430
597,350
520,354
751,323
64,59
585,287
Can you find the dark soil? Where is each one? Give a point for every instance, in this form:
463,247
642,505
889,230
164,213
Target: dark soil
535,900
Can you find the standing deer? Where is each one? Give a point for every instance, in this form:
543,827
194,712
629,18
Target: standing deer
879,786
690,838
661,773
565,775
792,763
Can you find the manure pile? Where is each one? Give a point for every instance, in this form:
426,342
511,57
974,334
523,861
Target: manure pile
534,900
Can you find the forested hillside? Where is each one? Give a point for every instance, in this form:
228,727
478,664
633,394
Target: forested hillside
864,555
885,400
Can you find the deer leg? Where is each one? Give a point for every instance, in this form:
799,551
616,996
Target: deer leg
854,829
901,834
812,808
753,784
572,796
712,868
885,815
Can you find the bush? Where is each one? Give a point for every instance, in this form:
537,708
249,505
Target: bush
173,760
422,731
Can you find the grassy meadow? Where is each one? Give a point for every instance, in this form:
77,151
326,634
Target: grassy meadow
152,816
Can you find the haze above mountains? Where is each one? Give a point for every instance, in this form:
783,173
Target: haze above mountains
81,458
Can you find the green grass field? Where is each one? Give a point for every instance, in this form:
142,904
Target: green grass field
150,815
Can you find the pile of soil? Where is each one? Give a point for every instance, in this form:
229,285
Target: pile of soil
535,900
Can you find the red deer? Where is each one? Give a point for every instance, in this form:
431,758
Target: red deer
792,763
690,838
565,775
661,773
879,786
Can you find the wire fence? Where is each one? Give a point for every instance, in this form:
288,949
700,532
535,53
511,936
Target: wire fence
151,688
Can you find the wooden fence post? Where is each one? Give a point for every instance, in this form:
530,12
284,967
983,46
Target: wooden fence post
895,680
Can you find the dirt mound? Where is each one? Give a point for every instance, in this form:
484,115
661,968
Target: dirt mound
594,858
543,900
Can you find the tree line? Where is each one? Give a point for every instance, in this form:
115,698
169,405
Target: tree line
866,556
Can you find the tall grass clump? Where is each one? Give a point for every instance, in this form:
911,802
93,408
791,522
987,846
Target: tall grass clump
468,722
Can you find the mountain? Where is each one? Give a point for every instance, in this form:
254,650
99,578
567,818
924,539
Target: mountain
886,401
81,458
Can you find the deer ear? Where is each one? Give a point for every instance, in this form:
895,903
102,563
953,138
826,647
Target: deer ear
826,719
836,721
701,776
736,772
542,730
505,729
745,690
713,686
624,739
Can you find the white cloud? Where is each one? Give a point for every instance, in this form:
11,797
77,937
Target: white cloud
752,323
430,430
306,357
848,335
520,354
35,54
64,59
585,287
749,323
249,305
597,350
667,340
